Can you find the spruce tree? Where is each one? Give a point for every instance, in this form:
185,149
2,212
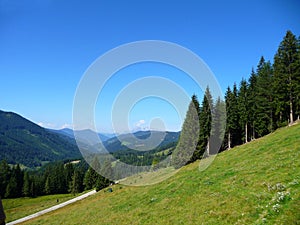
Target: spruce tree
252,98
286,78
5,173
76,183
188,139
243,109
232,117
27,185
264,122
197,153
218,126
205,122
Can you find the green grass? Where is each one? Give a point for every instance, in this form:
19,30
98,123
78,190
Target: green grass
20,207
257,183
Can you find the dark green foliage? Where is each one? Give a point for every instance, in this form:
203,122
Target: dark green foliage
218,126
27,185
243,106
232,116
264,114
5,174
252,95
93,178
54,178
287,79
15,183
188,138
205,122
76,184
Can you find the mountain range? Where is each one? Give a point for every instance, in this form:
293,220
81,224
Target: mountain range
26,143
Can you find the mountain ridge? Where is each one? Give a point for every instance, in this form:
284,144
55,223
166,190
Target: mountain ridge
26,143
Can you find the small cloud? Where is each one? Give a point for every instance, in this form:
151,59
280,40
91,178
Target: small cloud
140,125
66,125
47,125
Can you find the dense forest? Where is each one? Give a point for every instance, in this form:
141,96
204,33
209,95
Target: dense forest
53,178
256,107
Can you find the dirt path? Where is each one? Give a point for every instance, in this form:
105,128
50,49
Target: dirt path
52,208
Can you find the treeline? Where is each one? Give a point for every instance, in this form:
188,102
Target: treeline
54,178
256,107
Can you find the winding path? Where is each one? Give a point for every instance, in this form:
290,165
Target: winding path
52,208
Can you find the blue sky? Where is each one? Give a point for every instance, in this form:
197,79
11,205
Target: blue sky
46,46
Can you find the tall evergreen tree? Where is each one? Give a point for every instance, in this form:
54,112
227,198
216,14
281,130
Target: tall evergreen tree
232,117
252,98
205,122
188,139
218,126
27,185
286,78
76,185
197,153
243,108
5,173
264,122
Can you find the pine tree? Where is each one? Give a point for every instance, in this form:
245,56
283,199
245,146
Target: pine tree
27,185
252,98
5,173
243,108
12,188
197,153
218,126
48,188
106,170
232,117
188,139
19,175
205,122
76,183
264,122
286,78
91,175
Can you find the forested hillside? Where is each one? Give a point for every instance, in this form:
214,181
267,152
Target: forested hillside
26,143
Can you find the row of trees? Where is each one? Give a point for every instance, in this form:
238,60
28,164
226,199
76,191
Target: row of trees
54,178
268,100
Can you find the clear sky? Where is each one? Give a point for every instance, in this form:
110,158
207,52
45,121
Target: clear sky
46,46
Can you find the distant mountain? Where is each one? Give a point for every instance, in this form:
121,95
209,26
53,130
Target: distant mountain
24,142
139,140
112,143
84,134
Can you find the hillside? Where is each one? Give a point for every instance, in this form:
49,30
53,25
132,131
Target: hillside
26,143
256,183
137,140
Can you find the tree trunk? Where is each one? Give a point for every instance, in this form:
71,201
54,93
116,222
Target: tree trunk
246,133
291,110
253,132
208,147
291,98
229,141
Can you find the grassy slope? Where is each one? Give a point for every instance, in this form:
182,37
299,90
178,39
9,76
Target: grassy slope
240,187
17,208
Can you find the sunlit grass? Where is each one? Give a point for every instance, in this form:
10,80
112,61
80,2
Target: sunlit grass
20,207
